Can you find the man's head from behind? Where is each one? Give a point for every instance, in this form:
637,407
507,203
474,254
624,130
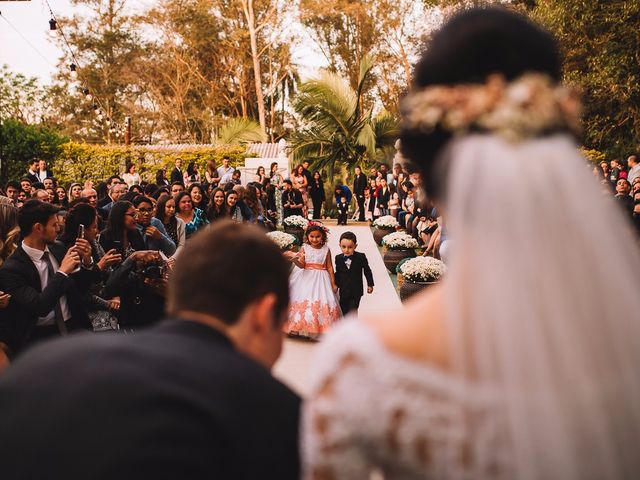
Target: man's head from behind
231,276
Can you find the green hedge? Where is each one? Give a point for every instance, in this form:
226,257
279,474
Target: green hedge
78,162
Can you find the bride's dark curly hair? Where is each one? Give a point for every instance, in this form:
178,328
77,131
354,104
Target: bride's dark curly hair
473,45
316,227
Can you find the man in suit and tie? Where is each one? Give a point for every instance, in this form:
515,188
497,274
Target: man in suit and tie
192,397
350,266
32,173
176,173
43,171
44,278
359,184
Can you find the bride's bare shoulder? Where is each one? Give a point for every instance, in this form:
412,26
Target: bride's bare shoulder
416,330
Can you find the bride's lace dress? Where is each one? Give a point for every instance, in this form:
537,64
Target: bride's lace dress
373,411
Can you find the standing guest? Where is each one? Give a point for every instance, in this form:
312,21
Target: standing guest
194,219
383,170
260,175
44,280
342,191
316,192
350,266
216,209
13,191
373,173
233,210
270,197
161,180
43,171
623,190
32,172
122,232
130,176
199,383
176,188
397,174
291,200
198,197
225,171
615,172
275,179
176,173
211,173
394,201
174,226
75,191
191,175
359,184
307,173
60,198
107,199
382,197
300,183
368,201
151,229
235,177
634,168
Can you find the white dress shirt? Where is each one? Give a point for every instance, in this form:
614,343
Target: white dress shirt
36,257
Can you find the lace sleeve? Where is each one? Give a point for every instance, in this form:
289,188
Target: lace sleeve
334,447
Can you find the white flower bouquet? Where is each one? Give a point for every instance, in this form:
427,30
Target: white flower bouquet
399,241
386,221
296,221
423,269
284,240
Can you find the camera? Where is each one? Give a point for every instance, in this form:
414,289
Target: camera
152,271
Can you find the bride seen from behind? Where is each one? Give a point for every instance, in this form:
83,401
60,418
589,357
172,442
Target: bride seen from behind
522,363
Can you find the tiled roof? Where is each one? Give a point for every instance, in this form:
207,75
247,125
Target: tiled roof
264,150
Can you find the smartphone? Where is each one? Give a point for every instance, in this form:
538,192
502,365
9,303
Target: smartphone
81,231
117,244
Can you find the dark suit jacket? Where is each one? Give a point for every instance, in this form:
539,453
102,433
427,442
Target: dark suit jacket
176,175
349,280
32,178
359,184
103,202
176,401
19,277
382,197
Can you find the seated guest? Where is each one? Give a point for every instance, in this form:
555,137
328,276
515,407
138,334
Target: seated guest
152,230
175,227
122,232
216,209
193,218
233,210
291,200
44,279
198,197
198,384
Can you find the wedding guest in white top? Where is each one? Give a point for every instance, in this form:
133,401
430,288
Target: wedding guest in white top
225,171
131,177
523,362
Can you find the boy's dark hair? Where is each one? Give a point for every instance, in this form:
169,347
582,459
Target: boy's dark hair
32,212
13,184
349,236
211,276
288,182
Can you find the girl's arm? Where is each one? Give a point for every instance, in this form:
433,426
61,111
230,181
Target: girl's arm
299,260
332,277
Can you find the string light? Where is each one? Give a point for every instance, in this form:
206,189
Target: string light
74,71
87,94
53,25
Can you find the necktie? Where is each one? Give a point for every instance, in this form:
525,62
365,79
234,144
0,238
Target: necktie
57,309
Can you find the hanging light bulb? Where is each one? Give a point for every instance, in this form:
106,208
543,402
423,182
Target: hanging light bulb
87,94
95,107
108,122
100,115
74,71
53,25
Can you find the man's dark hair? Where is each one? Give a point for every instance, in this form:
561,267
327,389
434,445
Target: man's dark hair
38,185
288,182
13,184
349,236
112,178
32,212
141,199
213,273
33,161
177,182
25,179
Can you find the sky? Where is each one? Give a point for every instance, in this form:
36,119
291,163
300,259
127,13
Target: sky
32,53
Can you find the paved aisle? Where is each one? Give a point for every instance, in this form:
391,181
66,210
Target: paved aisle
296,357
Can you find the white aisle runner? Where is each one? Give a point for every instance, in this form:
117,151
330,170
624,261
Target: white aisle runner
293,365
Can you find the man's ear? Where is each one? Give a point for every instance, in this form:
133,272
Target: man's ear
263,318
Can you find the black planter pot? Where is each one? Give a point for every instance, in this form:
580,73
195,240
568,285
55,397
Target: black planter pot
393,257
296,232
408,289
380,233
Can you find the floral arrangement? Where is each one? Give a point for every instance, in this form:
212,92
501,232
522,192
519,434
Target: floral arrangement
423,269
296,221
320,225
399,241
386,221
523,108
284,240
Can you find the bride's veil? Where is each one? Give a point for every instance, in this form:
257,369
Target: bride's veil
544,305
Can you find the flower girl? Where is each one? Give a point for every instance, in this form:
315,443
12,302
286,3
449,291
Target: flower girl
314,305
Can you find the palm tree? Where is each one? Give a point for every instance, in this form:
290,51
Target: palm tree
240,130
336,129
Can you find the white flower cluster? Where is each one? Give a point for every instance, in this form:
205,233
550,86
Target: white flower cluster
399,241
423,269
386,221
296,221
284,240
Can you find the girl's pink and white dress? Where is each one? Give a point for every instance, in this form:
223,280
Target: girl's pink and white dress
314,307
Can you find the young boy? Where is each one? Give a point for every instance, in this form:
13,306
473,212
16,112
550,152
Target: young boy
350,265
343,208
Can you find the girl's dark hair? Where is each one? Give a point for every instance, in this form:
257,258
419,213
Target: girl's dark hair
205,199
128,167
227,209
115,222
161,191
160,206
179,196
315,228
81,214
191,168
273,164
251,199
212,209
470,47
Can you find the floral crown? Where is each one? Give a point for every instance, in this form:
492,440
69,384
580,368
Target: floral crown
529,106
317,225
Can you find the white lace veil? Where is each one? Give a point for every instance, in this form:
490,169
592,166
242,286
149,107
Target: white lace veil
543,303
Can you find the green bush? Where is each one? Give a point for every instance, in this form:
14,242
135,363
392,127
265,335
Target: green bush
78,162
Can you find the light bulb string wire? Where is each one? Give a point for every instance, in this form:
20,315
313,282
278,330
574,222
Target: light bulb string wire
33,47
